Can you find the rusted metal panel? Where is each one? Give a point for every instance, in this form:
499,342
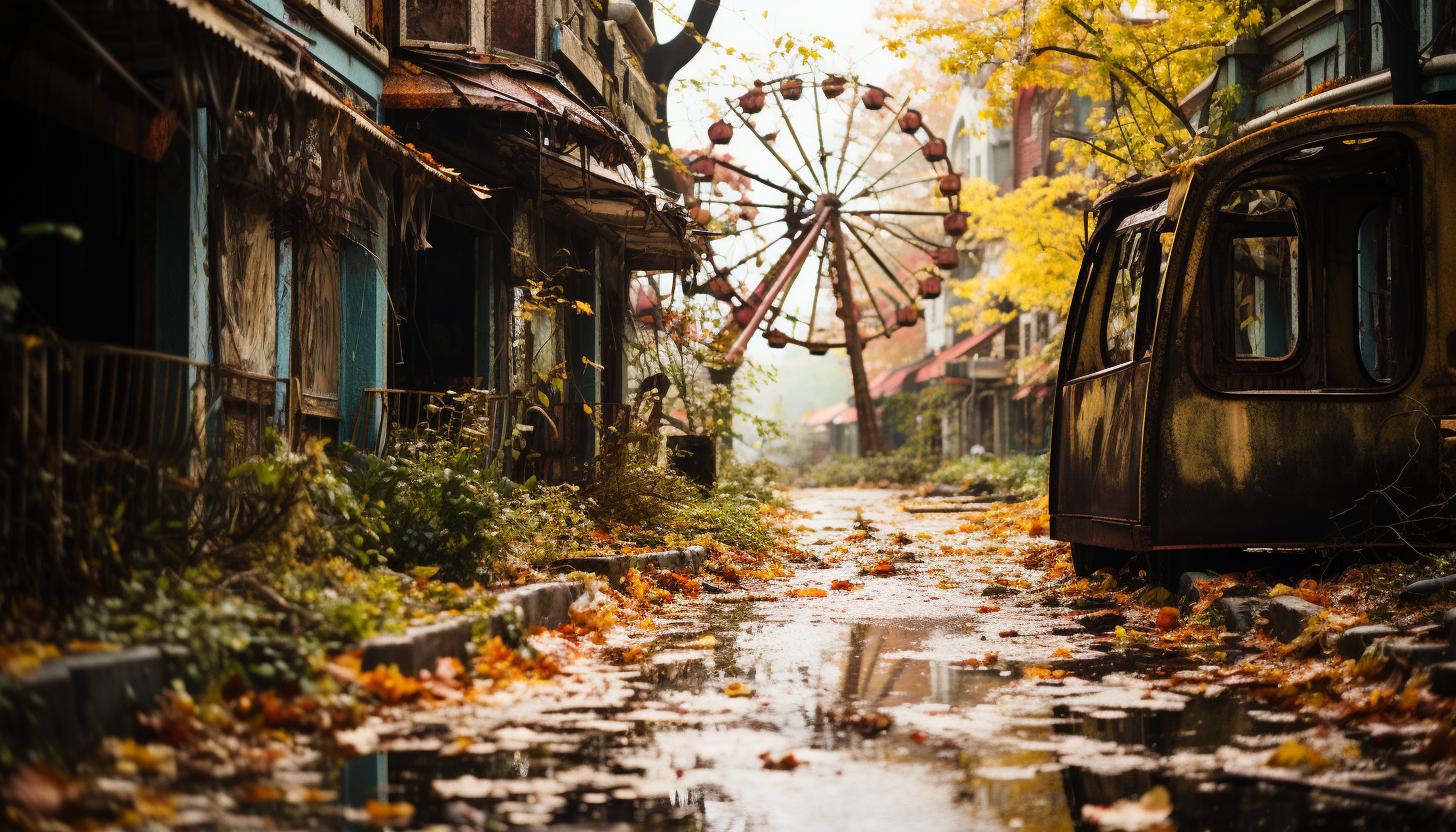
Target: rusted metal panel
1101,443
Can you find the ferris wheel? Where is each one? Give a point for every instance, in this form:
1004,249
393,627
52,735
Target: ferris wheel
828,206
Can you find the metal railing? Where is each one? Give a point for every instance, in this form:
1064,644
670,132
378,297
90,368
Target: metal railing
91,432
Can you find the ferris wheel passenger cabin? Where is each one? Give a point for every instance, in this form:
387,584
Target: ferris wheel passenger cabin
1261,350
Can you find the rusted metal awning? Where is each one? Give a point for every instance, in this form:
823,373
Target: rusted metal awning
424,80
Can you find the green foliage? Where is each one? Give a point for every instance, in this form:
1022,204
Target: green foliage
265,627
1024,475
758,480
425,505
900,468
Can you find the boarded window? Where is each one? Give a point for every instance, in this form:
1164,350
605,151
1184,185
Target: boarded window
316,313
513,26
248,283
437,21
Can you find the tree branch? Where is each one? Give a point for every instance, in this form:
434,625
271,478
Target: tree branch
1143,82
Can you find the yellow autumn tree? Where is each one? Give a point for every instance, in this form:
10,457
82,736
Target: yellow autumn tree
1137,61
1035,232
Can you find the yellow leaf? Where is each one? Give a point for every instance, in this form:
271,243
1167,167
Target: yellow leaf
737,689
705,641
586,408
1295,754
583,307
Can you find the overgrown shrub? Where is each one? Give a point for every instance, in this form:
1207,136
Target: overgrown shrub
899,468
1022,475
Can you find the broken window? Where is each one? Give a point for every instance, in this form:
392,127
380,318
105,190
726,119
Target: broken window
248,283
1312,278
1136,284
1262,273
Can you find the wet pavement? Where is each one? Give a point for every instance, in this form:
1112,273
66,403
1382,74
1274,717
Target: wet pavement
1003,713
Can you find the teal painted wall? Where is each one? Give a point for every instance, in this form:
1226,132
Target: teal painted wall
363,301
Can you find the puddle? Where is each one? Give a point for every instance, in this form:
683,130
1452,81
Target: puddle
991,747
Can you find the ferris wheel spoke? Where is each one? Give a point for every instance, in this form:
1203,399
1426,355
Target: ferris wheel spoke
715,201
766,247
869,293
818,283
789,123
741,231
844,148
755,177
864,245
766,146
904,269
823,155
905,234
888,188
881,177
894,119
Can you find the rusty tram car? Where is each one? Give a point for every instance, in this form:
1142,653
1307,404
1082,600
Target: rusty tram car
1261,348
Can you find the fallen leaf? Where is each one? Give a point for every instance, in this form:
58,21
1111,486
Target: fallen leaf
808,592
39,789
1167,618
845,586
389,814
737,689
1150,813
788,762
1295,754
705,641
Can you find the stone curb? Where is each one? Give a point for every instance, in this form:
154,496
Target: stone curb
81,698
614,567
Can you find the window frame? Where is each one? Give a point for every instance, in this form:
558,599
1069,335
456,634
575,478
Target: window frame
475,27
1222,306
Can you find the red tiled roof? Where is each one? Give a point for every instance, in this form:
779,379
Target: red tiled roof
824,415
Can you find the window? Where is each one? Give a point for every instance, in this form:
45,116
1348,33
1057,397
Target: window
317,319
1313,281
448,24
513,26
1265,295
1126,291
1382,288
1322,68
1261,251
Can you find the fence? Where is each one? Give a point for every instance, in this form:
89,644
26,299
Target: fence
555,442
94,434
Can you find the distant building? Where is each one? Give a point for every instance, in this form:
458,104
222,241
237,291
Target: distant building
1326,54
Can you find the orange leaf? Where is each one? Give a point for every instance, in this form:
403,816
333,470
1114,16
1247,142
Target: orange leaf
808,592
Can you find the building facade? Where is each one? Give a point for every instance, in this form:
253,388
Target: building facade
315,218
